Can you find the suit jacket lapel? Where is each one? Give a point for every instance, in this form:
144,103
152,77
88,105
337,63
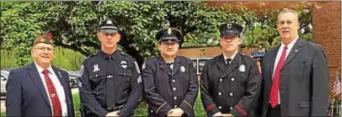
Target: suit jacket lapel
273,55
176,65
34,75
162,65
233,64
295,49
220,63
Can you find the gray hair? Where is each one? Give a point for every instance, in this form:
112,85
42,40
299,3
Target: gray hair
287,10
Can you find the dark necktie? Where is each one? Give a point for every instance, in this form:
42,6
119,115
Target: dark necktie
56,105
170,65
227,61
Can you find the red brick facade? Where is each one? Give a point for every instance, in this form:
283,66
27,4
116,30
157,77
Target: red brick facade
327,32
208,52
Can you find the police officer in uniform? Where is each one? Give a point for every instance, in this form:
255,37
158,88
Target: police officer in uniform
170,81
230,82
110,84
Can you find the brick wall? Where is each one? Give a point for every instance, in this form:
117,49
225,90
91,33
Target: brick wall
207,52
327,32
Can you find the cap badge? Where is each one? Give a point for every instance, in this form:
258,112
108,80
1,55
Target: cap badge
229,26
169,31
109,22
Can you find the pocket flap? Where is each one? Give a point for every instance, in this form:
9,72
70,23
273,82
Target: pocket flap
304,104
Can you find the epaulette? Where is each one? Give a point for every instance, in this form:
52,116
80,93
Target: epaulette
92,55
123,53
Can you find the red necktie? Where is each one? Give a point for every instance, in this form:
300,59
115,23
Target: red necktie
56,105
274,97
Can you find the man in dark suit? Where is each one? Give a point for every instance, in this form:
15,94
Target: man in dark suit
295,74
39,89
170,81
230,82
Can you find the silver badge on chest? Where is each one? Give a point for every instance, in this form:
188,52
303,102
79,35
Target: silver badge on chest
123,64
242,68
182,68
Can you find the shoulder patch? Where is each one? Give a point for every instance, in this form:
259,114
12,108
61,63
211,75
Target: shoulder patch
81,70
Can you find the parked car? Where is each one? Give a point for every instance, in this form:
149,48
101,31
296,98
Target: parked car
73,76
3,81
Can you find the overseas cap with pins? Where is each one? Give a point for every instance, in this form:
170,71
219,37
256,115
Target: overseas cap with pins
44,38
230,29
169,34
108,26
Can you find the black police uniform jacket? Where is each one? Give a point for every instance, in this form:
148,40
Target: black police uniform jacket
230,89
109,83
165,89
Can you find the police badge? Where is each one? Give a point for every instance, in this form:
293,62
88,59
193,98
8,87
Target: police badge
182,69
242,68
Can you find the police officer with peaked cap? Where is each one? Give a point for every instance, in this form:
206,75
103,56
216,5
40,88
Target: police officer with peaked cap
230,82
110,84
170,81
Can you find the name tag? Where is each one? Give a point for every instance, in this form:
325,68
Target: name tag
110,76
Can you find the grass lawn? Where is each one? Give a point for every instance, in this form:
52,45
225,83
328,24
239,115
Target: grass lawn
142,108
140,111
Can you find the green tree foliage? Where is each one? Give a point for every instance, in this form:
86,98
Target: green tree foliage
261,31
74,24
64,58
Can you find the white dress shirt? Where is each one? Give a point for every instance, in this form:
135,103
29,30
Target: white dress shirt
280,50
232,57
58,87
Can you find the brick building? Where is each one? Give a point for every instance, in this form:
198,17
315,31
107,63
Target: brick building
327,32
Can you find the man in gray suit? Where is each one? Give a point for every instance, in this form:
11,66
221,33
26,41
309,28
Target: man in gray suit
295,74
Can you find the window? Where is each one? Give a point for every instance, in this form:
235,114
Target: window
199,64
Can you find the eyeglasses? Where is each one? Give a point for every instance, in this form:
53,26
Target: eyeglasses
49,49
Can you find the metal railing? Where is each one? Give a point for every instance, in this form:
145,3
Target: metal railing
334,109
